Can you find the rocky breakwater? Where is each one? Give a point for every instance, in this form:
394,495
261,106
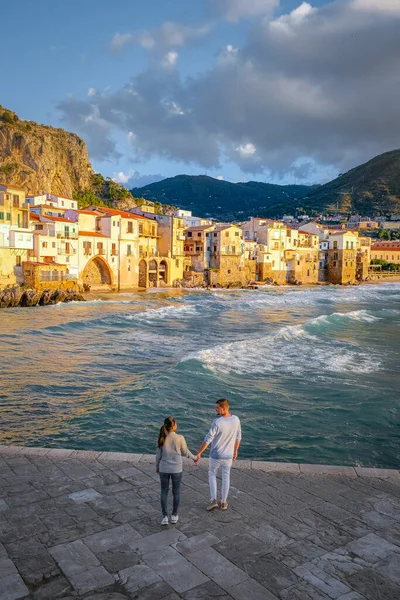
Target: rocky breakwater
15,296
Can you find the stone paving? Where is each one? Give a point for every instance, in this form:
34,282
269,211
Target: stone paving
77,524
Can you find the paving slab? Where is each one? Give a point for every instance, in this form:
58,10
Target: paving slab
178,572
222,571
111,538
72,521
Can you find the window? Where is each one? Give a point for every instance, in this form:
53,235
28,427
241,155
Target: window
130,227
229,271
1,216
153,230
44,244
215,248
226,233
352,245
16,200
276,246
347,245
18,261
129,250
335,256
177,263
334,263
199,234
335,245
215,234
53,245
189,234
237,233
62,202
141,228
113,249
198,248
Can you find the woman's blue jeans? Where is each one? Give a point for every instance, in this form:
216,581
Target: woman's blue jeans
176,491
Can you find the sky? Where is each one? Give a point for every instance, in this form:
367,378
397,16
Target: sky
280,91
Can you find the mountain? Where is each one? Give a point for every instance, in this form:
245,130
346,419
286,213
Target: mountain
206,196
369,189
41,158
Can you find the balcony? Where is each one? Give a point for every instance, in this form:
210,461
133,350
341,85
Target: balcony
63,252
87,252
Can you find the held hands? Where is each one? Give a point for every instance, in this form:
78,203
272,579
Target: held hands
196,460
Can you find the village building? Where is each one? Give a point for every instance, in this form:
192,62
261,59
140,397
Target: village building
197,248
228,265
16,238
389,251
342,255
60,202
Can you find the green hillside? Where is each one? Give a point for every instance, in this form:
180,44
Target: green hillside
206,196
371,189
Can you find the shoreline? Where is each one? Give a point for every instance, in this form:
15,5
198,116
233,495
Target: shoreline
249,464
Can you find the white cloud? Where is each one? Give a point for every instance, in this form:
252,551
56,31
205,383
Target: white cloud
120,41
319,82
131,136
234,10
220,177
170,59
246,150
122,177
377,6
91,92
169,35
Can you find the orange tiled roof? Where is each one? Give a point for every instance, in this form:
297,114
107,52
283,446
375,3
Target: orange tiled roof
61,219
121,213
92,233
9,185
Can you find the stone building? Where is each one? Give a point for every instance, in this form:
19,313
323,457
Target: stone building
197,247
342,256
227,260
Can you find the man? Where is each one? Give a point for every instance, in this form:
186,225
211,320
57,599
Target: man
224,436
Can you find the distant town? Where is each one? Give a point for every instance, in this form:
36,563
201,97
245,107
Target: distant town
46,241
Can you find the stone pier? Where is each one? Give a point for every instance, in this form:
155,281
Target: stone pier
86,525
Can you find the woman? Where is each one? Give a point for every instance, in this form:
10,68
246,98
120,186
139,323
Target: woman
170,449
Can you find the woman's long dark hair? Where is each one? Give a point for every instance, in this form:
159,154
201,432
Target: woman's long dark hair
169,423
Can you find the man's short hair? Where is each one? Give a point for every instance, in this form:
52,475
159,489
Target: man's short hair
223,403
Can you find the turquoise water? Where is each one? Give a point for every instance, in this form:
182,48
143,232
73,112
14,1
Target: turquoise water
313,373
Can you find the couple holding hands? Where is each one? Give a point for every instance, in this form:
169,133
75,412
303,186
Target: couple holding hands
224,436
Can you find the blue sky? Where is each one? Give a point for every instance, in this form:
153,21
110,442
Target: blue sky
288,92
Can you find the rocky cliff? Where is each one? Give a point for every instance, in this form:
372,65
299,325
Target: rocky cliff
42,159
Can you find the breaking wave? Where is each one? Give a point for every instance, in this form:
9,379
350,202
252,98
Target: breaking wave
294,350
165,312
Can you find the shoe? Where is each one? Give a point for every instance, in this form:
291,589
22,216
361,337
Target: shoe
174,519
164,521
212,505
223,506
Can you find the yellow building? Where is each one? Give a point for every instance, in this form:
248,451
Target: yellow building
227,256
16,239
197,247
342,255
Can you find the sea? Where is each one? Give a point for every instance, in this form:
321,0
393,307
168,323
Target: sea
312,372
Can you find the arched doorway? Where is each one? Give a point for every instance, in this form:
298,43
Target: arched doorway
163,272
142,274
97,272
153,273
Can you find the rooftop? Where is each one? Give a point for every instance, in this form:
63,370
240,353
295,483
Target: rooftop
78,524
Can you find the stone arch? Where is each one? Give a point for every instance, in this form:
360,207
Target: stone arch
97,272
163,271
153,273
143,274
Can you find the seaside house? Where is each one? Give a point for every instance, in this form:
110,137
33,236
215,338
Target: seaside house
60,202
342,256
16,238
227,256
389,251
197,247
